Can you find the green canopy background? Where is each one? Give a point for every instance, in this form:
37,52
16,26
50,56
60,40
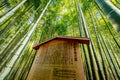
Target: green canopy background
24,23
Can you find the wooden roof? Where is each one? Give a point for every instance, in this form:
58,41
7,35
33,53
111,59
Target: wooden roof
81,40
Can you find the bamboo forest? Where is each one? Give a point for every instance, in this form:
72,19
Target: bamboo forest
25,23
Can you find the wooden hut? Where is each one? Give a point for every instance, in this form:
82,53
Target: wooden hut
58,59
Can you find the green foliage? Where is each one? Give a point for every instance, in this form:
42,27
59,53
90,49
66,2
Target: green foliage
61,29
101,58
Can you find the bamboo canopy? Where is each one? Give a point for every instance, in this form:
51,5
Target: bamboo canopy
24,23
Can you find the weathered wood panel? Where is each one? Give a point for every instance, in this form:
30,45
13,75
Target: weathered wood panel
57,60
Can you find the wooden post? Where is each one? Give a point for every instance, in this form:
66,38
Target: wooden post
58,59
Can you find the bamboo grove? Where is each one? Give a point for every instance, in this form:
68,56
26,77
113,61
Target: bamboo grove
24,23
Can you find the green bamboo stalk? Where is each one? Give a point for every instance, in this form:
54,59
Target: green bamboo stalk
11,23
90,50
80,26
19,65
12,11
117,61
107,25
101,72
112,13
14,58
109,58
6,46
106,62
14,42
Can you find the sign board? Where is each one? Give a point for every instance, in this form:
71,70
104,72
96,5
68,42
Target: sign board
58,59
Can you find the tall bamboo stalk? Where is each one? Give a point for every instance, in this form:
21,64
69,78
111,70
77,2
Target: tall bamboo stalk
112,13
5,72
10,13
